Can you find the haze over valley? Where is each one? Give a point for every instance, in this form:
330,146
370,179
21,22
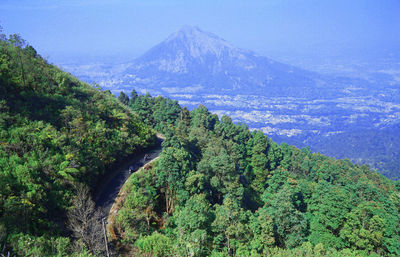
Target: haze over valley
290,104
259,128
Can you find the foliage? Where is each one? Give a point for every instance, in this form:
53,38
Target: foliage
221,190
156,112
55,132
217,190
375,147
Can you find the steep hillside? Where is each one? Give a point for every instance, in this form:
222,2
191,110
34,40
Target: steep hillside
56,133
220,190
217,190
287,103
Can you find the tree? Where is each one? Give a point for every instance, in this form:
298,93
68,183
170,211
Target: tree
201,117
290,225
138,215
365,227
165,112
123,98
262,227
173,167
230,226
155,244
221,171
259,161
143,107
85,221
18,42
134,96
193,221
329,205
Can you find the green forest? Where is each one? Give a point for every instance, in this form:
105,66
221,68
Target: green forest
218,189
57,135
221,190
376,147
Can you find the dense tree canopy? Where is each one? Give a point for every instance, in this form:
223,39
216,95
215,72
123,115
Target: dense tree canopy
221,190
55,132
218,188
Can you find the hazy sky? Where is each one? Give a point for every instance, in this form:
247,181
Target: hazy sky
270,27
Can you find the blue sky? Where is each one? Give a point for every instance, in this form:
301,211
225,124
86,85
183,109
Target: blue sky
62,28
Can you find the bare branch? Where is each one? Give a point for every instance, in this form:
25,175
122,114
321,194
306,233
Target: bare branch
85,221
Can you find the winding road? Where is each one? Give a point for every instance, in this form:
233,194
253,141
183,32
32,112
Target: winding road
109,187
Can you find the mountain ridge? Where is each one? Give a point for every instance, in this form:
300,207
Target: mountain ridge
191,56
304,107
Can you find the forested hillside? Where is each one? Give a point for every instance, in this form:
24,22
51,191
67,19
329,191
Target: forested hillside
376,147
221,190
56,134
217,190
342,115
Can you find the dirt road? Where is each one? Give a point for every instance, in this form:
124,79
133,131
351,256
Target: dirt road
109,187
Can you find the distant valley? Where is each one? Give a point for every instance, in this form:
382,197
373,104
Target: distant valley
352,113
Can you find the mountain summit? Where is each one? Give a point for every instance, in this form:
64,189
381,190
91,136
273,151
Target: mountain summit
198,43
189,49
198,61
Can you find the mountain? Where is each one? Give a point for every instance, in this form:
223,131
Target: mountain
287,103
217,189
192,60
